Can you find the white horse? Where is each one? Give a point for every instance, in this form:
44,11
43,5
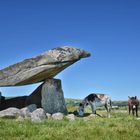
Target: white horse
94,99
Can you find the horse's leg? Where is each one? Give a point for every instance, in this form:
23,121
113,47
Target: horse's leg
93,107
108,109
108,106
133,111
136,111
129,110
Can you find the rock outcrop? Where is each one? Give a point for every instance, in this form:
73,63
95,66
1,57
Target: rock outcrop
40,68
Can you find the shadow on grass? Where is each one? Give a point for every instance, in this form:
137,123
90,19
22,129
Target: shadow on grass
85,114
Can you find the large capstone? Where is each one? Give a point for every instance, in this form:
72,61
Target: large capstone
42,67
52,97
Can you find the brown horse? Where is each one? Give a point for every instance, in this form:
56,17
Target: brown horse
133,104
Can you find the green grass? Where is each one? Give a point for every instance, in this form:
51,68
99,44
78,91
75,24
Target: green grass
119,127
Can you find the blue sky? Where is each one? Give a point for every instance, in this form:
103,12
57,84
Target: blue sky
109,30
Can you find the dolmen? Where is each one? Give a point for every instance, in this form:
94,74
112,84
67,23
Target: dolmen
40,69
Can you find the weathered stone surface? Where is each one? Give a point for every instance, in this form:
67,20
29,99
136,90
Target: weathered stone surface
58,116
10,113
42,67
38,115
52,97
26,111
71,117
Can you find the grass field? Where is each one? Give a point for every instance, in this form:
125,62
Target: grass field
119,127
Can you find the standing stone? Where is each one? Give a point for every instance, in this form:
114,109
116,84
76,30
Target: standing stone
52,97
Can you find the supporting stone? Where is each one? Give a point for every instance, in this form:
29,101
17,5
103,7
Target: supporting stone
52,97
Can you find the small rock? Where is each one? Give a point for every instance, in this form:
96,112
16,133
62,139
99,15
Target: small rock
20,119
70,117
48,115
38,115
32,107
26,111
11,112
58,116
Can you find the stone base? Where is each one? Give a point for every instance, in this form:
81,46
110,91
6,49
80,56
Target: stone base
52,97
